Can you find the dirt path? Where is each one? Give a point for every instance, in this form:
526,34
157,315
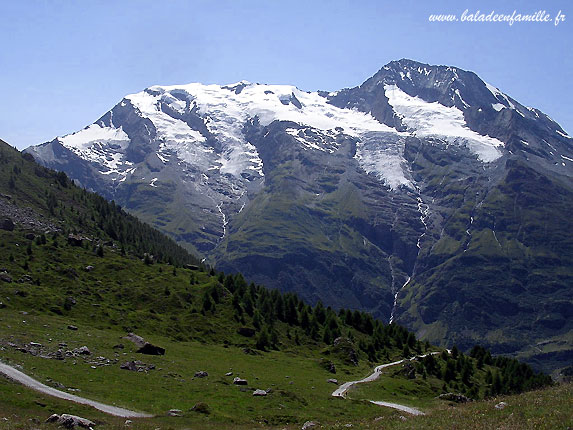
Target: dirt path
343,389
22,378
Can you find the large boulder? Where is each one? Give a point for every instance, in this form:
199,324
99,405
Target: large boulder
239,381
70,421
144,346
83,350
151,349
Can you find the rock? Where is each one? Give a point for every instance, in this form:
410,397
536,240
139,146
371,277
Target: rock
327,365
144,346
129,365
228,373
89,269
137,340
5,277
83,350
175,413
202,408
344,348
259,393
501,405
239,381
150,349
137,366
6,224
201,374
72,327
127,423
59,355
75,240
408,370
246,331
119,346
332,381
2,305
452,397
403,418
308,425
53,418
70,421
191,267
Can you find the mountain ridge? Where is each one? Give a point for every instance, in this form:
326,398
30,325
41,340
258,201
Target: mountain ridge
357,197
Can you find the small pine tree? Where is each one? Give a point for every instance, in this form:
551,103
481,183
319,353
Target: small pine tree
263,339
327,336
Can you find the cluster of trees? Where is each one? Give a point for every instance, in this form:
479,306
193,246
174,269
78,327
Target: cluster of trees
503,375
510,376
264,308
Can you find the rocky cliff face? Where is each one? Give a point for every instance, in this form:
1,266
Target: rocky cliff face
425,195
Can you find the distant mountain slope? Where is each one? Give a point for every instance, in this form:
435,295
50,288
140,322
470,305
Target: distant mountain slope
425,195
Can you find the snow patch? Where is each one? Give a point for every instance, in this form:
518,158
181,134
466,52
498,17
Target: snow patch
446,123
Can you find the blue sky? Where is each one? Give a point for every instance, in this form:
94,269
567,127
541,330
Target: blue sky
64,63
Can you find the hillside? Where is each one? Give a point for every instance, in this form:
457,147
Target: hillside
61,293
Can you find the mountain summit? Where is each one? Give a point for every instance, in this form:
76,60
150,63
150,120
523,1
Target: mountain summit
425,196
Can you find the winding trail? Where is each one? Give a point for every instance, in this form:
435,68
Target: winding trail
15,375
343,389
